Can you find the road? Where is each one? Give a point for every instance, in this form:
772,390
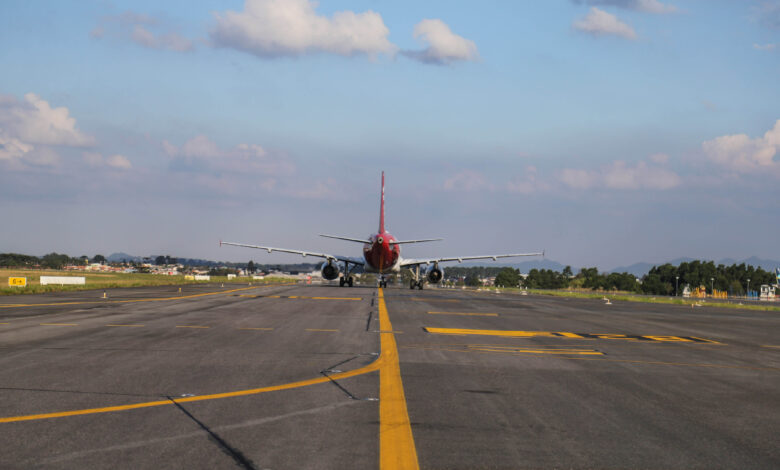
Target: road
300,376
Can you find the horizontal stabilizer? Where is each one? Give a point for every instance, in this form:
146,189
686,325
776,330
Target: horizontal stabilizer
349,239
403,242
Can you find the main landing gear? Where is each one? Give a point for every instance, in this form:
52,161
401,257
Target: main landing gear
347,277
416,281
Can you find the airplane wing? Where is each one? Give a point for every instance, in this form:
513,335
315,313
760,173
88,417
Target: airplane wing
460,259
269,249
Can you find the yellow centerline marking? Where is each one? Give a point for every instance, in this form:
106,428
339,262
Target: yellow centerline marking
59,324
474,314
263,329
128,326
318,329
770,346
396,443
156,299
191,326
4,323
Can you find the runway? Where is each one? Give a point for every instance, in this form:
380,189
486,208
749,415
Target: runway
298,376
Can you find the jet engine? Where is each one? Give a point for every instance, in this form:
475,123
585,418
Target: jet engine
330,270
434,274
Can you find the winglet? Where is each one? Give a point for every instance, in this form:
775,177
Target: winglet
382,207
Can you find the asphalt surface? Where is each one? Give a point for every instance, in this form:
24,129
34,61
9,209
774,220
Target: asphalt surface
154,378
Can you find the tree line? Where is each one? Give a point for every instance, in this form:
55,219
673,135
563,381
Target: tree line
665,279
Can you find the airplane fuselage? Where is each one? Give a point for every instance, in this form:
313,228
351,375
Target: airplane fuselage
381,254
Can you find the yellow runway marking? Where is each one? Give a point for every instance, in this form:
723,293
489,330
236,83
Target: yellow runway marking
397,449
688,364
569,335
4,323
303,383
262,329
298,297
318,329
191,326
507,349
396,443
474,314
156,299
770,346
128,326
59,324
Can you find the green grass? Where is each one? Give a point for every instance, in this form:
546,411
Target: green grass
106,281
628,297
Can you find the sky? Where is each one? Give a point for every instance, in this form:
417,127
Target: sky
605,132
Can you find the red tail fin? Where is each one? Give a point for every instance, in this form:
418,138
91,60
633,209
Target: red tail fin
382,207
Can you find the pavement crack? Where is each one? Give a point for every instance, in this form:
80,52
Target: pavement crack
333,369
240,459
368,322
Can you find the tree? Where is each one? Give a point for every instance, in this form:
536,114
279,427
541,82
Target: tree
567,271
160,260
473,281
99,259
507,277
250,267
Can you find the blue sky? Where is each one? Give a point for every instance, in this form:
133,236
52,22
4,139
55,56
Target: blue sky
603,131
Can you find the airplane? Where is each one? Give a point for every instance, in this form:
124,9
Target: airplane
381,255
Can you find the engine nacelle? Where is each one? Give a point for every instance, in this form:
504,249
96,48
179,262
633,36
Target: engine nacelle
434,274
330,270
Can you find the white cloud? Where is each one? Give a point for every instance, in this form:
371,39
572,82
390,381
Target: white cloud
765,47
143,30
276,28
30,129
600,23
201,154
444,46
620,175
578,179
745,155
117,162
466,180
647,6
34,121
169,41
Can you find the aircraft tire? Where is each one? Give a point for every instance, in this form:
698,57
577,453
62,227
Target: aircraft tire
349,281
341,282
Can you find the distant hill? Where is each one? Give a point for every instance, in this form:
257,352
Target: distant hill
119,257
